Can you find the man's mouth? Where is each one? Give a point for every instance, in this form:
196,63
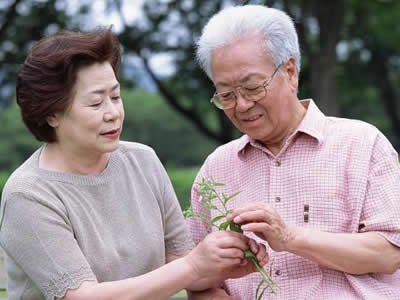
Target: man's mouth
252,118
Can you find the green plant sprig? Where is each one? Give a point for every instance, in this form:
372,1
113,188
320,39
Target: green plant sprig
207,189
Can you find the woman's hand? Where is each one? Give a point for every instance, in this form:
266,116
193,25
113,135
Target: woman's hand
219,252
220,256
266,223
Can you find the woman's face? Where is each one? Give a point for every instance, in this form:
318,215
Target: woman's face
93,122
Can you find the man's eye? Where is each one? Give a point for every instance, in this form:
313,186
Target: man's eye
225,96
116,97
252,88
95,104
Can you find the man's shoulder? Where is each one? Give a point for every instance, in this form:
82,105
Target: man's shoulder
228,151
350,127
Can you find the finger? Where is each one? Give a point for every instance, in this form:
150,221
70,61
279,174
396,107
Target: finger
230,253
253,246
262,252
263,261
261,229
232,240
254,216
240,210
243,262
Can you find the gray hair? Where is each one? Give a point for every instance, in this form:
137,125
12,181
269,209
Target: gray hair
277,28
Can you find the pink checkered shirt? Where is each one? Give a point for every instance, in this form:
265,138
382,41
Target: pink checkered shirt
348,174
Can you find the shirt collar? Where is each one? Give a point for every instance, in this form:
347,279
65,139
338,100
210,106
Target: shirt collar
313,121
312,125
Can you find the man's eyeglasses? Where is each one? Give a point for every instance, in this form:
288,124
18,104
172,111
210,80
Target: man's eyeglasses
227,100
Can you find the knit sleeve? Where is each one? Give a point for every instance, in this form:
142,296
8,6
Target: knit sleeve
39,240
176,233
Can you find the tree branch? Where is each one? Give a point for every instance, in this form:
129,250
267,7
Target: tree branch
171,100
9,18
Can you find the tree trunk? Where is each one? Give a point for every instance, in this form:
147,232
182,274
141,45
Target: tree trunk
323,66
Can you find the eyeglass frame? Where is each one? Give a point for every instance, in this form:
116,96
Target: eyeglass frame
264,85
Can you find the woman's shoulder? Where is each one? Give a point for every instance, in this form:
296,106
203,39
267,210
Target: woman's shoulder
137,151
24,178
132,147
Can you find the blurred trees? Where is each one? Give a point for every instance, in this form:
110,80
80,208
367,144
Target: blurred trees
349,47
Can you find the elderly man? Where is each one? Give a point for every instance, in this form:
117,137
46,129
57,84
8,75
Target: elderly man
322,192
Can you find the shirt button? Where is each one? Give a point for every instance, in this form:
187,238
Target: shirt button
277,163
278,272
278,199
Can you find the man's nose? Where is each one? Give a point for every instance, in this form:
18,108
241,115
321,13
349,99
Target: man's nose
242,104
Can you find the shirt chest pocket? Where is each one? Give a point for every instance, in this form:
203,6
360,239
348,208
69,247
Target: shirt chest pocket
327,214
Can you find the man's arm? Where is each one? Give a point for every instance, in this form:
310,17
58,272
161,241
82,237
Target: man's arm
354,253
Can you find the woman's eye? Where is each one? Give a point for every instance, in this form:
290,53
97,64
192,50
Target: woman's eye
95,104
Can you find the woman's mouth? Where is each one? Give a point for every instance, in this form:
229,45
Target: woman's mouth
112,134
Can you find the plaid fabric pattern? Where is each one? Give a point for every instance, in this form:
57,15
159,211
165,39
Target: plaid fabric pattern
346,176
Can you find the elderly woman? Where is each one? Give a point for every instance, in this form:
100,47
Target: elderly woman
88,216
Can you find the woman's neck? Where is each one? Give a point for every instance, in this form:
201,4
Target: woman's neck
55,157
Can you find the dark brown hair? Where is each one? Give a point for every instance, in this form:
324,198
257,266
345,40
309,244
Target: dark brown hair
46,80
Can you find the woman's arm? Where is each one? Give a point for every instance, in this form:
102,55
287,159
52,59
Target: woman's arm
215,257
158,284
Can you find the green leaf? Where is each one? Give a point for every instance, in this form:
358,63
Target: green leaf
235,227
227,198
223,226
216,219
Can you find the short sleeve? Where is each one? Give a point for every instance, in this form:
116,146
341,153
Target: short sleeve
38,238
381,210
176,233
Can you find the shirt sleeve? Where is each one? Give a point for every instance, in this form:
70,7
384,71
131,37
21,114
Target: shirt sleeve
381,211
176,233
38,238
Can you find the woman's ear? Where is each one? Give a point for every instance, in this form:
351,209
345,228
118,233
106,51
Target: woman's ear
52,120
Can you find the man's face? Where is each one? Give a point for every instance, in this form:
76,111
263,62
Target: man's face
245,63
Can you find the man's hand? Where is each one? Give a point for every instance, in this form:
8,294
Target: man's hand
266,223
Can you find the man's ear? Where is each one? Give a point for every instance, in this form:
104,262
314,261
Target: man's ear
291,70
52,120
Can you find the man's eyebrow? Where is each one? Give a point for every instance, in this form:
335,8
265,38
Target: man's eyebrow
251,76
103,91
243,80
